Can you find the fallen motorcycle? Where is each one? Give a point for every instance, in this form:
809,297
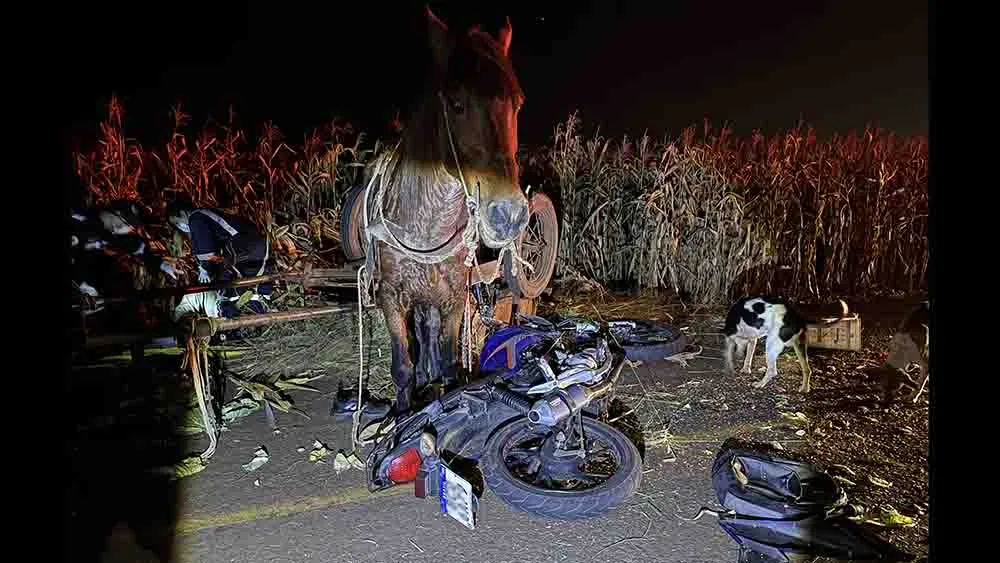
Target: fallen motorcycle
530,423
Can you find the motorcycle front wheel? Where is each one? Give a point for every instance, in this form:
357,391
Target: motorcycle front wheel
520,468
649,341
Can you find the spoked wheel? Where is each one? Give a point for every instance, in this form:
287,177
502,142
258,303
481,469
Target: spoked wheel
647,340
532,469
352,234
539,246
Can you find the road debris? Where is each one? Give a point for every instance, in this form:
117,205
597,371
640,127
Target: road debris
844,468
683,357
319,452
796,417
184,468
343,462
260,457
887,517
844,480
878,482
239,408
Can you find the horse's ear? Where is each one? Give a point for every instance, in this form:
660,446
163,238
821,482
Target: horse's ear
503,37
438,37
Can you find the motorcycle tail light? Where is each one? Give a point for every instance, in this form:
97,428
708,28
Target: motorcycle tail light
403,469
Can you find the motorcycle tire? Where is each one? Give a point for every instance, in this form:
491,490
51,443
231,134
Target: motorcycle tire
653,341
562,505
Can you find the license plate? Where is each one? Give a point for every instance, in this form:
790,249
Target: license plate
457,499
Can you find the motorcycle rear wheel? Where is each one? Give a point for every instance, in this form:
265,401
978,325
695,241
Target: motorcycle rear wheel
561,504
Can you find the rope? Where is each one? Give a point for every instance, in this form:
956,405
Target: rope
356,417
194,357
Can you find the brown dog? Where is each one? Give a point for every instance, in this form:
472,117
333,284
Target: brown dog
911,345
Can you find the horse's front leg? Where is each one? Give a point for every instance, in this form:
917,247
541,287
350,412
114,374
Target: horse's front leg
402,362
427,324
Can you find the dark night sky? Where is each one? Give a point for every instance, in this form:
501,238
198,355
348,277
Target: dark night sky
626,66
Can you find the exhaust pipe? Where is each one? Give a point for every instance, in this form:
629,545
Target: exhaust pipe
560,404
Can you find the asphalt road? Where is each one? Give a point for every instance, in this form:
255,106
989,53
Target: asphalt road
303,511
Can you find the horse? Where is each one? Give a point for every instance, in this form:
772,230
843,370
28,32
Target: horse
453,182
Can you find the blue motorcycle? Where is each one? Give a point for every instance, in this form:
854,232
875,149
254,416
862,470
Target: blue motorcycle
530,423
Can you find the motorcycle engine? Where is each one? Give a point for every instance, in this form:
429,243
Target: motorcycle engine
562,369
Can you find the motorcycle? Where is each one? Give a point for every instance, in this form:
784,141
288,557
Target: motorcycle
530,423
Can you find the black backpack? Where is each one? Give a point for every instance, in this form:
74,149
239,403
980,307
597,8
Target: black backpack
781,510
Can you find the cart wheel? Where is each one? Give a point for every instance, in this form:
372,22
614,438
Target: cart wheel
501,312
352,234
539,246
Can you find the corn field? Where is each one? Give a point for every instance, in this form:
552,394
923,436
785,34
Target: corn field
292,192
706,215
712,216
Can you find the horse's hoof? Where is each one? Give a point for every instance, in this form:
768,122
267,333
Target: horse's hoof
803,388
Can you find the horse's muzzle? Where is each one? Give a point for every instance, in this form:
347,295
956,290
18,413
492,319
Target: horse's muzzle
507,218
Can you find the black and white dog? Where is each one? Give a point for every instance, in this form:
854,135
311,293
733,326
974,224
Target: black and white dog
751,318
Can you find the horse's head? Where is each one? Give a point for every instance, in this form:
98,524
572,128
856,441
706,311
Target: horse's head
472,105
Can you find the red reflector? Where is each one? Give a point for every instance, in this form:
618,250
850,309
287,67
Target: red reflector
403,469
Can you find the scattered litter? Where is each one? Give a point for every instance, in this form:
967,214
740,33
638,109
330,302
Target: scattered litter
777,445
184,468
277,431
319,452
879,482
373,542
260,457
800,432
239,408
686,407
844,468
414,544
340,462
796,417
725,407
300,450
887,517
683,357
343,462
844,480
256,482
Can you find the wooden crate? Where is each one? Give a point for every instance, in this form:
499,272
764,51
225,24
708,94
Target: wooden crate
842,335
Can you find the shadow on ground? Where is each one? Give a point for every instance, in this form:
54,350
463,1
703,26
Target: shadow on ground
121,427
